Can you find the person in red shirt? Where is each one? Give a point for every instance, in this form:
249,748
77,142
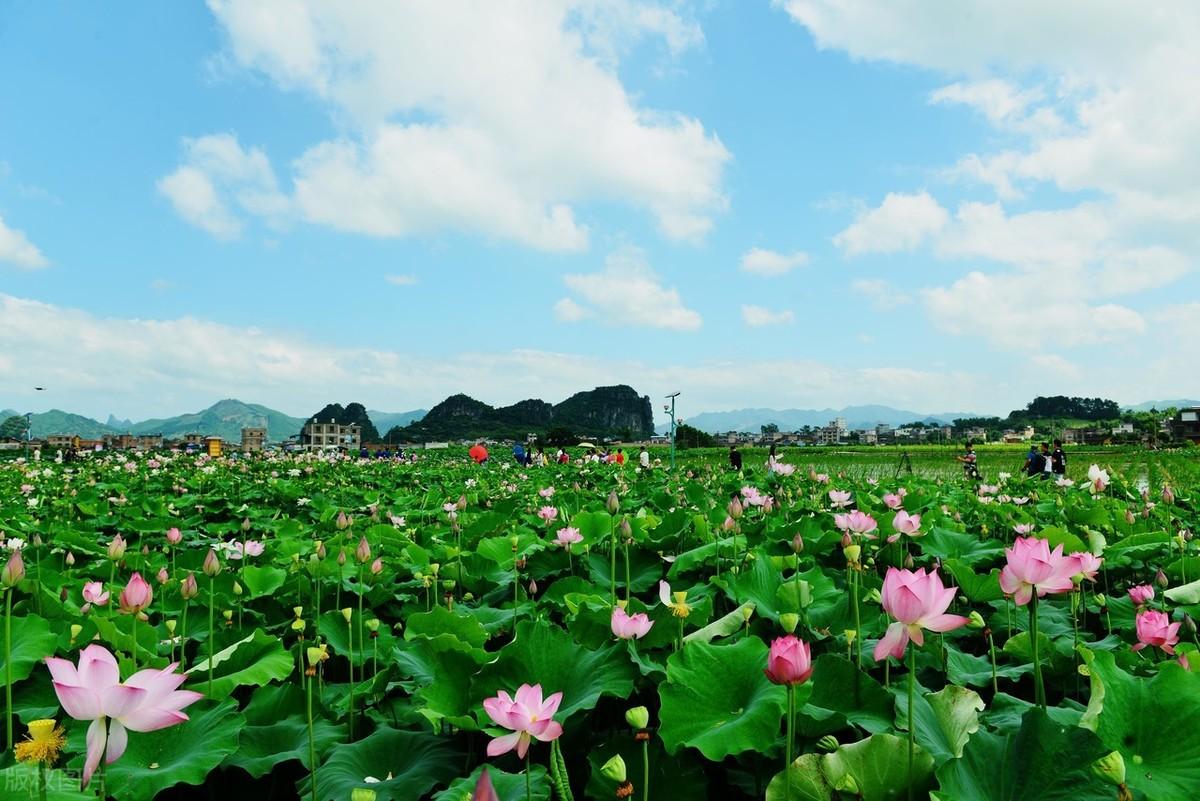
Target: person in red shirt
478,453
620,456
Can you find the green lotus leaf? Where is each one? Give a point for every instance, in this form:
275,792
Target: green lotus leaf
406,765
877,769
807,780
944,720
32,642
254,660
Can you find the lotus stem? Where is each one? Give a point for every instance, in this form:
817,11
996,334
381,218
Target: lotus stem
1038,689
212,632
791,725
8,716
912,731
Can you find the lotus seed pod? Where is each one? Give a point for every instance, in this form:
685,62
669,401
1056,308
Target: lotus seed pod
789,621
828,744
1111,767
614,769
637,717
347,613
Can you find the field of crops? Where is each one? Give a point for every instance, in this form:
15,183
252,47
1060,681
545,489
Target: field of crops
833,626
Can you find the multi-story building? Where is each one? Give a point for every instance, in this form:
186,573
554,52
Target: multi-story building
193,441
253,439
62,441
331,434
1186,424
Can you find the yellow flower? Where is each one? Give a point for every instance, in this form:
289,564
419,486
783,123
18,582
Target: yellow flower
45,740
676,601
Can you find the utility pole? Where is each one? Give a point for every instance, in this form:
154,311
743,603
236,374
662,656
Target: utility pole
671,410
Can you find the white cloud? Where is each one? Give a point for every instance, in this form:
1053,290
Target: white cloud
497,118
218,175
771,263
569,311
901,222
880,293
169,366
757,316
627,292
405,279
16,249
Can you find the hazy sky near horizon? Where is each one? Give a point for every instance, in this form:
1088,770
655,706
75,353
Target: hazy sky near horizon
768,203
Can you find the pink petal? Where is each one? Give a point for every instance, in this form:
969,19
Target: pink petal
664,593
97,736
152,719
118,738
550,705
944,622
1023,595
893,643
551,732
98,668
63,671
118,700
522,744
502,745
78,702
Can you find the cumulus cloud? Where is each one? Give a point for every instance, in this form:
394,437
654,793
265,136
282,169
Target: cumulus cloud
401,279
901,222
757,316
217,180
16,249
569,311
496,118
628,292
770,263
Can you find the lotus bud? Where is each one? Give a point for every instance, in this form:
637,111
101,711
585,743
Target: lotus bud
1189,624
614,770
461,503
70,560
828,744
116,548
612,504
846,540
975,620
1111,768
174,536
514,541
320,550
851,636
637,717
245,524
909,562
37,540
1129,518
377,566
734,507
347,613
341,559
363,552
212,565
188,589
533,586
625,529
789,621
343,522
797,544
1160,578
171,624
162,575
728,525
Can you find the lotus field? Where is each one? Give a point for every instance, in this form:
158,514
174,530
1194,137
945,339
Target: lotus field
326,628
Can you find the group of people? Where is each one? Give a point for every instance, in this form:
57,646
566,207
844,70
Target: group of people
1046,463
530,457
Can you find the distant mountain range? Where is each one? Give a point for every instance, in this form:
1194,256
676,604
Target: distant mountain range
857,417
224,419
1163,404
616,411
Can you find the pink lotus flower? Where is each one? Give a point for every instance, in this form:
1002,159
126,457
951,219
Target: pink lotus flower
752,496
820,478
892,500
904,523
174,536
1142,594
94,595
1156,629
568,536
548,513
148,701
240,550
1097,479
527,716
630,627
839,499
450,508
546,492
916,601
859,523
13,570
136,596
1089,565
789,662
116,548
1023,529
780,468
1033,567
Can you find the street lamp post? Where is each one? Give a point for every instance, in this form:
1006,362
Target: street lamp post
671,410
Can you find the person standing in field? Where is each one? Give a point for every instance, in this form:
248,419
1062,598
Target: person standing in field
1032,465
1059,460
1047,462
735,458
644,458
970,462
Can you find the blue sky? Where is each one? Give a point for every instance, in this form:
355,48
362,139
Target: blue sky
792,204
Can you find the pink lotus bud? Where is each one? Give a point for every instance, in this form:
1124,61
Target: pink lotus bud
1129,518
341,559
1168,494
908,562
462,502
377,566
789,661
846,540
728,525
163,577
797,544
13,571
532,587
137,595
612,504
188,589
625,529
363,552
1160,578
734,507
320,550
70,560
116,548
245,524
1141,594
94,594
212,565
343,522
174,536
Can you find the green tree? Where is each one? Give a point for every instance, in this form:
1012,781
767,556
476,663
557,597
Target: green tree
688,437
15,427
